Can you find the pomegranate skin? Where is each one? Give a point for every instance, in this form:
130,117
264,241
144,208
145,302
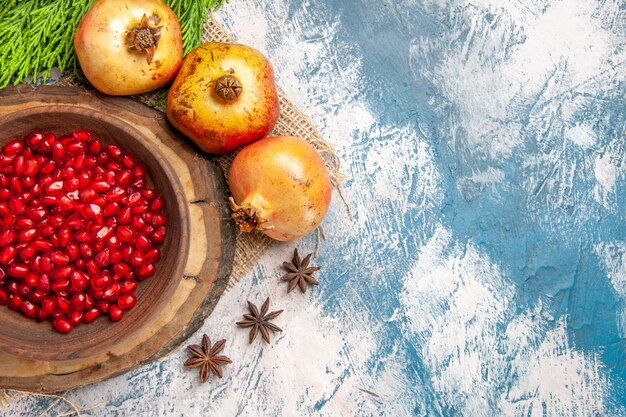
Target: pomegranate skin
284,182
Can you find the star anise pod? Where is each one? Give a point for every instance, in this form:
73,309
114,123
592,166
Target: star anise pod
207,358
259,321
300,273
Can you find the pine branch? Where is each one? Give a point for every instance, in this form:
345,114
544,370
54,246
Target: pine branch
37,35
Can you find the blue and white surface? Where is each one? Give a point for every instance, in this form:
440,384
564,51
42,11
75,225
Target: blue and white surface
484,270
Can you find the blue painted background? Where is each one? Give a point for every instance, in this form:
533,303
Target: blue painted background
469,175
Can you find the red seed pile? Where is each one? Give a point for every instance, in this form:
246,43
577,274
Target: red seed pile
78,228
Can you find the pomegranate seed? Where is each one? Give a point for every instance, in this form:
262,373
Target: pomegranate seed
159,220
102,305
128,286
72,251
122,269
100,186
24,289
85,250
63,304
115,313
103,258
158,236
75,147
64,272
18,165
127,253
48,167
137,260
55,188
95,146
127,301
65,237
80,280
100,281
62,325
58,152
46,231
17,270
60,285
86,195
153,255
146,271
29,309
125,233
92,267
78,301
124,178
74,222
81,135
38,214
42,315
4,297
142,242
17,205
8,254
59,258
28,182
15,301
90,162
46,264
82,236
112,291
138,222
139,183
116,256
37,296
27,235
49,304
13,148
31,166
102,233
91,210
34,139
28,252
148,194
44,282
111,209
115,194
75,317
24,223
31,279
125,216
91,315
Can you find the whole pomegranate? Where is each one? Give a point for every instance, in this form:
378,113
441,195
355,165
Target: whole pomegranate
280,186
129,46
223,97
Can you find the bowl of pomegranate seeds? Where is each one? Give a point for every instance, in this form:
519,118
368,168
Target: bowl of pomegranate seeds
95,234
81,228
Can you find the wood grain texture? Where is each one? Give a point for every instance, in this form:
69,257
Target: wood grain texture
197,254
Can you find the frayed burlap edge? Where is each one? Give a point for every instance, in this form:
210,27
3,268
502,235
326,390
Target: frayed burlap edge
251,246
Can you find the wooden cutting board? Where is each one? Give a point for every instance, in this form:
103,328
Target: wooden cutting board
197,255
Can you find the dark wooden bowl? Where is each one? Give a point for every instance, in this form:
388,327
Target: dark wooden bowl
197,253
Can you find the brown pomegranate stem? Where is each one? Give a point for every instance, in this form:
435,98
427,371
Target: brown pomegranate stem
247,218
227,87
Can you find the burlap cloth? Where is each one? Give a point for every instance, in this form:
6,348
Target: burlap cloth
251,246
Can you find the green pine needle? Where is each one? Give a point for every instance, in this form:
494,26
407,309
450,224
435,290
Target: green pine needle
37,35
